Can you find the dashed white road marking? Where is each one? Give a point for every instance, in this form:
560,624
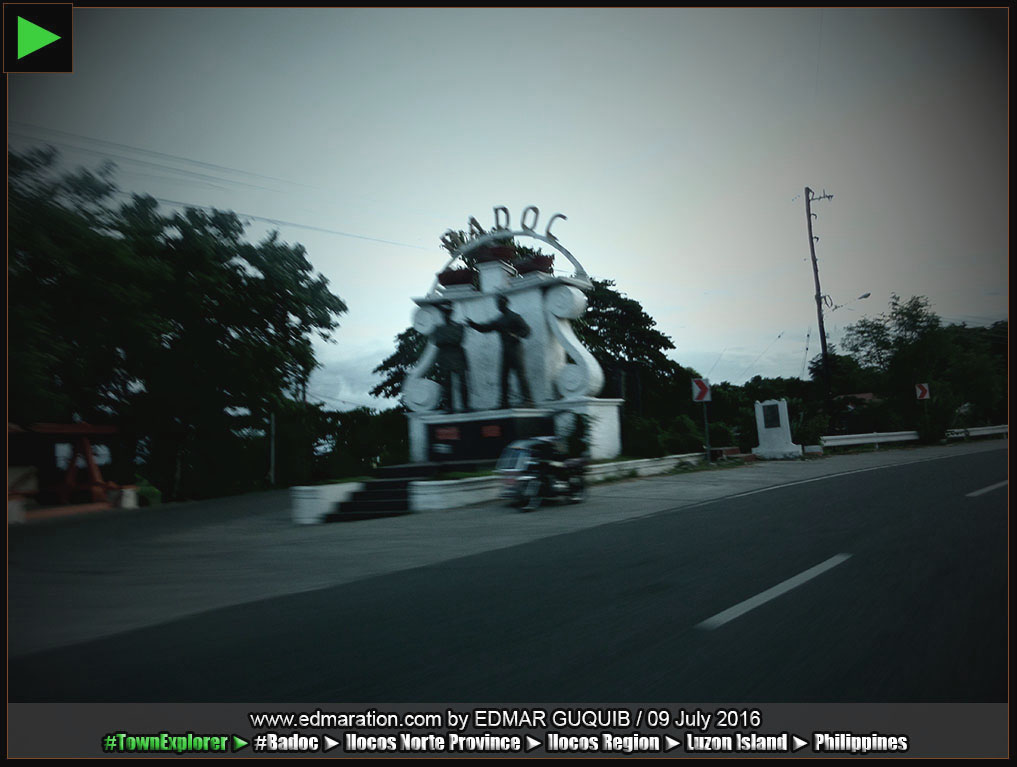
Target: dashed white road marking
752,603
988,489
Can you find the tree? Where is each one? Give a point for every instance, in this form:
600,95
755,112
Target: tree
618,331
361,439
875,343
67,305
847,376
908,345
410,345
165,325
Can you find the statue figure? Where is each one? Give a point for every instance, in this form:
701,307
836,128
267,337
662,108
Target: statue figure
448,338
512,328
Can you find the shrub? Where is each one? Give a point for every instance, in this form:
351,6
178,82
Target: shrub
682,437
641,437
813,428
721,435
147,494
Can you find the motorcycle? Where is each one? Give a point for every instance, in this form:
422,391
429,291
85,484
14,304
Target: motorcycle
539,469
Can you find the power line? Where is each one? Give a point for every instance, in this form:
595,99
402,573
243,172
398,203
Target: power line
207,179
335,399
175,158
145,163
718,360
281,222
153,153
747,369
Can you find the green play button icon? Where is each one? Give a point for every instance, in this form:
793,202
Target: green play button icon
38,37
32,37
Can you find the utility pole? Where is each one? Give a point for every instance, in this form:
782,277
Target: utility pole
809,215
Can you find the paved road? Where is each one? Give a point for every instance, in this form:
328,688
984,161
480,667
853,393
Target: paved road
653,590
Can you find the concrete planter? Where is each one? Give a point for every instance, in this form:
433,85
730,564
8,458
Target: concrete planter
450,494
644,467
310,503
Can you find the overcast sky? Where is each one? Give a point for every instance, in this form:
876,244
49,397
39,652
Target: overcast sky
677,142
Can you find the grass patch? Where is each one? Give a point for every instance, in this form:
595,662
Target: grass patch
693,468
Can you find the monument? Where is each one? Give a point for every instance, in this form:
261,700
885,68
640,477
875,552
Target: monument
524,371
774,430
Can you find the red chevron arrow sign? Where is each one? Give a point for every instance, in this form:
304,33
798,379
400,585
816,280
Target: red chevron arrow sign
922,391
700,390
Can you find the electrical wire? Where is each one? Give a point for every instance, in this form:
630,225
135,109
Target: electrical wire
281,222
718,360
747,369
335,399
206,180
149,152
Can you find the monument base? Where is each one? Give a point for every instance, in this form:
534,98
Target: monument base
484,434
477,435
603,423
795,451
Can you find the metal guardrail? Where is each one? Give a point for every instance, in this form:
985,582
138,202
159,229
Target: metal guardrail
978,431
875,438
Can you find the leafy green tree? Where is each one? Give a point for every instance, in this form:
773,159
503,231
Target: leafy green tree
847,375
618,331
171,326
963,366
626,342
410,345
877,343
78,296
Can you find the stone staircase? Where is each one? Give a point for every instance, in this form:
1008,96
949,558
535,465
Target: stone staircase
388,494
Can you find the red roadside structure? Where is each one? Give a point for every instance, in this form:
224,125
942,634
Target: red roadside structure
32,473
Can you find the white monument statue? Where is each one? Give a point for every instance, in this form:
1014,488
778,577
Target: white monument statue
504,342
774,430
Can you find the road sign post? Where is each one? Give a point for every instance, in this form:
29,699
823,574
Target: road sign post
701,393
922,393
706,433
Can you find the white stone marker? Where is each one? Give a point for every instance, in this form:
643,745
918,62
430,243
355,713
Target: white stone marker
774,430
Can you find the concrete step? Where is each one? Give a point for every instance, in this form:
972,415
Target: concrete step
372,493
354,516
389,494
388,504
430,469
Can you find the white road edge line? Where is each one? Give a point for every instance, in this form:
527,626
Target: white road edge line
752,603
840,474
988,489
770,488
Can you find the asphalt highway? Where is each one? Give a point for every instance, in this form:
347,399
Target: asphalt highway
878,584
